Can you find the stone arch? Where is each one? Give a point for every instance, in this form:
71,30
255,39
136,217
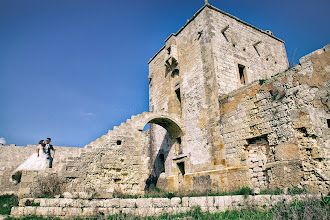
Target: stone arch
171,122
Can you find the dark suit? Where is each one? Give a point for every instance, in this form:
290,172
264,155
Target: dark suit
49,156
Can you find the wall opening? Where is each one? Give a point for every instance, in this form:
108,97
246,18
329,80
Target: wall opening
328,121
242,74
169,50
162,163
116,180
180,150
118,142
181,168
178,95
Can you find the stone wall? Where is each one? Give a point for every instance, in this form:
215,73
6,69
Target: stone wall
234,42
279,128
114,164
67,208
11,156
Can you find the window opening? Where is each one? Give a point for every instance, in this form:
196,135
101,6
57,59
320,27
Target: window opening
178,95
242,74
169,50
181,168
180,150
117,180
162,163
328,121
119,142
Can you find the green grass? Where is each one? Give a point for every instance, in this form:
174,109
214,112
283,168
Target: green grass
158,193
271,192
6,202
33,217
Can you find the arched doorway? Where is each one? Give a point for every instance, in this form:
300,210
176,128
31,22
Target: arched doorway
166,137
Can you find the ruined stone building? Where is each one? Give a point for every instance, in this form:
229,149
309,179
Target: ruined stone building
225,111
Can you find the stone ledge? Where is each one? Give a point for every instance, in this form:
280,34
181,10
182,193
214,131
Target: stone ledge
144,206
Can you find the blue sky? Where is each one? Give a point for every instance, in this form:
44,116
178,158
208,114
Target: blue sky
73,69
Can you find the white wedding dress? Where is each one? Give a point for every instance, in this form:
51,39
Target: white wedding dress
32,163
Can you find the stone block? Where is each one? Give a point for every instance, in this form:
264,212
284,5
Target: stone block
43,202
161,202
52,202
237,201
185,201
128,203
95,203
127,210
143,212
227,201
210,201
54,211
24,191
66,202
144,202
286,152
42,211
157,211
89,211
176,202
67,195
219,201
197,202
78,203
111,203
30,210
72,211
113,211
17,211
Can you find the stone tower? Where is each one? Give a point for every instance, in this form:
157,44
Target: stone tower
213,54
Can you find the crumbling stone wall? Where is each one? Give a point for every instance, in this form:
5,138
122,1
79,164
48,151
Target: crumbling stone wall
114,164
279,128
11,156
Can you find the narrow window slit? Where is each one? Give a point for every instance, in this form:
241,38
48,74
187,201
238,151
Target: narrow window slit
242,74
178,95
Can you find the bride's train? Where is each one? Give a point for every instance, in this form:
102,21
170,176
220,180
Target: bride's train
32,163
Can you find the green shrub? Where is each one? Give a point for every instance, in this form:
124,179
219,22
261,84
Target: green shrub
6,203
295,190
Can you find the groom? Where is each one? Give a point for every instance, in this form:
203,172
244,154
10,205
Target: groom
47,149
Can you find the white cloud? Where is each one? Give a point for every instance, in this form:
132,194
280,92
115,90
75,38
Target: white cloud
89,114
2,141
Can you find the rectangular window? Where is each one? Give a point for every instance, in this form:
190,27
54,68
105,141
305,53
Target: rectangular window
181,168
242,74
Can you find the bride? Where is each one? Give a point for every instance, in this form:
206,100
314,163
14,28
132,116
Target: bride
37,161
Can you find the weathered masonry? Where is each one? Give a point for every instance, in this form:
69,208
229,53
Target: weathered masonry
225,111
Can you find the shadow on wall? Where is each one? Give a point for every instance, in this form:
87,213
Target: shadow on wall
159,162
